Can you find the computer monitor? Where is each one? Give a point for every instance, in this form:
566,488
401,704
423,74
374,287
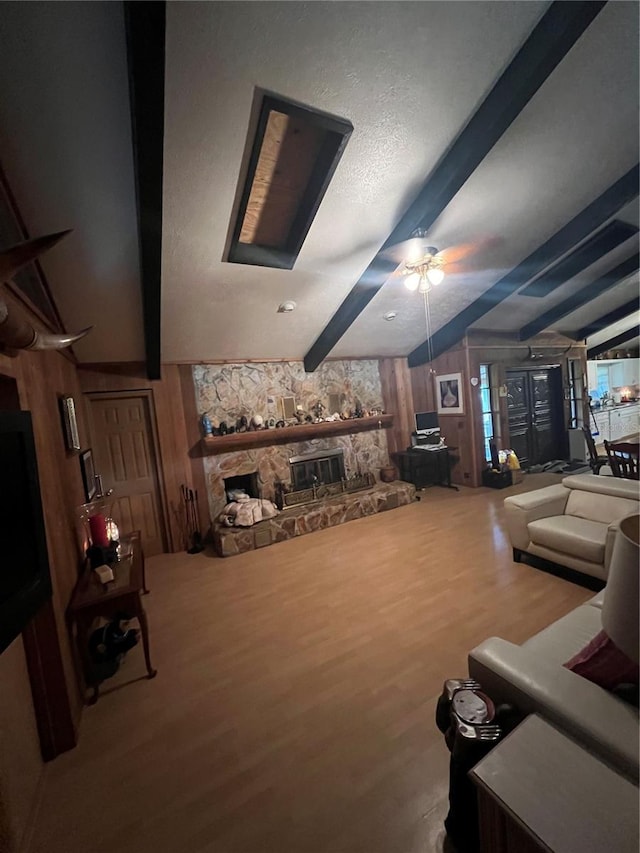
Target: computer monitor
426,421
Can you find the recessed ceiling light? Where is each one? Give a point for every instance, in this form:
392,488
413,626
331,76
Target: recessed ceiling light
286,307
390,315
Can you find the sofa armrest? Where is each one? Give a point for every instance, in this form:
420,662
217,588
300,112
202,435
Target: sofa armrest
597,719
521,509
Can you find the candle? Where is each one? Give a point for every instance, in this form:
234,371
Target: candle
98,529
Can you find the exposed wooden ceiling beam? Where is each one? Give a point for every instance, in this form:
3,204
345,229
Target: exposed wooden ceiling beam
609,319
612,343
599,211
145,28
587,253
581,297
551,39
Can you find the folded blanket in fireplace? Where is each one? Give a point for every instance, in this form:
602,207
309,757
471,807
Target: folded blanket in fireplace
247,511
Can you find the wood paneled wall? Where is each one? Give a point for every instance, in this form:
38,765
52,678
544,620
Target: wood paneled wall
397,399
480,347
41,713
170,396
457,430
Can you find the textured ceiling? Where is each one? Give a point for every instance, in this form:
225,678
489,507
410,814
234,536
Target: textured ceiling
407,75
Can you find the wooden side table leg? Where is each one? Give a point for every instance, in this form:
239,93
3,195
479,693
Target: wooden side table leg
144,628
145,591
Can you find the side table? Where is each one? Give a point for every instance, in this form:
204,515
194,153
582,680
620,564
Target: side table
426,467
540,791
92,599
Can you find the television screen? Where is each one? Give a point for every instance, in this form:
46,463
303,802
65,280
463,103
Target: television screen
426,420
25,582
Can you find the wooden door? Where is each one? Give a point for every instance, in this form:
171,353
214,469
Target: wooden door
125,457
534,399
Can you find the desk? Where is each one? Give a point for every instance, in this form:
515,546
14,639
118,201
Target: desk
92,599
426,467
538,791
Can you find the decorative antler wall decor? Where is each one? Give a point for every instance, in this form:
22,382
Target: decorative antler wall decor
15,331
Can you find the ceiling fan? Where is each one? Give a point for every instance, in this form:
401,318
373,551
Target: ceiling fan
457,259
424,266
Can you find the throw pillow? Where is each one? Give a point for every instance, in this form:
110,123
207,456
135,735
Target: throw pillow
602,662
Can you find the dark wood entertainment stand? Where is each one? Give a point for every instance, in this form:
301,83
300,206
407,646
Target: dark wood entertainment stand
426,467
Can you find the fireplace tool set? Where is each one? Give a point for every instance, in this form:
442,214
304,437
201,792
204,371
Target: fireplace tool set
191,514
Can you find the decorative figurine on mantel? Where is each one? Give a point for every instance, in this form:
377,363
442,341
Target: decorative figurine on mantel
207,426
318,411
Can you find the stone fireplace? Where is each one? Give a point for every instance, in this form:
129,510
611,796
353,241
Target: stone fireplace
228,391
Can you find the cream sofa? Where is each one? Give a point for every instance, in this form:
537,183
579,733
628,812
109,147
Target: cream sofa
573,523
532,678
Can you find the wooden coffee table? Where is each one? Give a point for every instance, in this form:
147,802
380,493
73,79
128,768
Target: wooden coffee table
91,599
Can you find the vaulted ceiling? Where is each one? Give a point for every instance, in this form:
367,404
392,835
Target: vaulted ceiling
409,76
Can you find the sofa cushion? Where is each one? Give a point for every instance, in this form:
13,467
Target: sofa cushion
571,535
605,508
602,662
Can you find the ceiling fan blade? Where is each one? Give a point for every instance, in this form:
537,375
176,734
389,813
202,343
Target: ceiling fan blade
455,254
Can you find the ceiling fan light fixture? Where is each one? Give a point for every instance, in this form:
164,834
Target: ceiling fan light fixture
435,275
412,280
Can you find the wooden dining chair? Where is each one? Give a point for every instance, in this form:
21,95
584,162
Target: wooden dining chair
623,459
596,462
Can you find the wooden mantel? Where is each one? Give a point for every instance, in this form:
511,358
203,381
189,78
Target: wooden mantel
303,432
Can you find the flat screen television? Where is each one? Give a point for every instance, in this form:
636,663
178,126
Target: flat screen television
25,581
426,421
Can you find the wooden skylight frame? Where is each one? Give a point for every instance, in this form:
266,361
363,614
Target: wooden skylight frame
294,154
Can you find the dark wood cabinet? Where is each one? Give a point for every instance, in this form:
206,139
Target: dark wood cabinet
426,468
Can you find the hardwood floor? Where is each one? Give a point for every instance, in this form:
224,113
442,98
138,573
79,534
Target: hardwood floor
293,711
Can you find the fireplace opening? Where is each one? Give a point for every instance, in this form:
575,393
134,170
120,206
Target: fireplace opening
247,483
316,469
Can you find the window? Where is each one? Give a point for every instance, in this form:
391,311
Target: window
487,413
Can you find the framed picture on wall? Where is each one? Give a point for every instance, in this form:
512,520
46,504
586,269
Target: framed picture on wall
88,474
449,394
69,423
